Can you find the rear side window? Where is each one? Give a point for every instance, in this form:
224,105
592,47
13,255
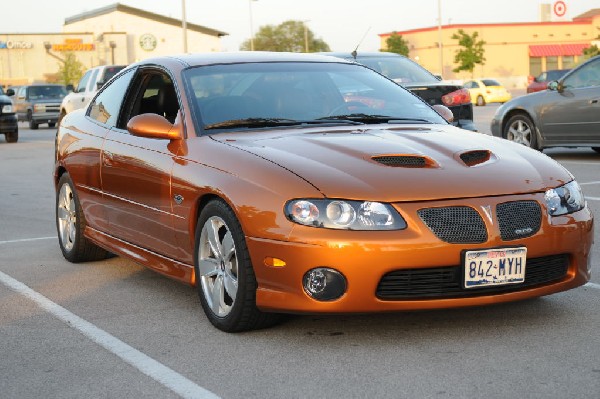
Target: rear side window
93,80
83,82
106,106
490,82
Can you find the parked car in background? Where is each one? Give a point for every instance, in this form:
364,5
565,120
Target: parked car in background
485,91
540,82
39,103
8,119
565,115
91,81
250,176
420,81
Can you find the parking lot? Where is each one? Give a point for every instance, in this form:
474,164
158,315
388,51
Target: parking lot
115,329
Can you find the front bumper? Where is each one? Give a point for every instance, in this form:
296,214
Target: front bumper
365,257
8,123
45,117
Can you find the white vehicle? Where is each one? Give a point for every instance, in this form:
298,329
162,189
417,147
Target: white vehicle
91,81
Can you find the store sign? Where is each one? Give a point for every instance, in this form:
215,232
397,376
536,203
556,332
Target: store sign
16,45
73,45
148,42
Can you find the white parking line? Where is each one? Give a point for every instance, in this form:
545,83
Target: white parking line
150,367
592,198
27,239
589,182
593,285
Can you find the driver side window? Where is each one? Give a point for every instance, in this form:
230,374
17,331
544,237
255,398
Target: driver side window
587,76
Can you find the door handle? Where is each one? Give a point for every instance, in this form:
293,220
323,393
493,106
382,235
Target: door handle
594,101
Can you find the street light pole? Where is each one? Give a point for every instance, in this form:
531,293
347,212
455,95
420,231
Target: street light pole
440,38
305,36
184,26
251,26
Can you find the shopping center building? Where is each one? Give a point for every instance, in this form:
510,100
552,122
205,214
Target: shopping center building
513,51
116,34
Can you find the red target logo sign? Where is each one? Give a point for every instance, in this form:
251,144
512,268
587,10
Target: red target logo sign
559,8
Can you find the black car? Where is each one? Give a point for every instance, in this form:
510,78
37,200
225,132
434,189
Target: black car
420,81
8,119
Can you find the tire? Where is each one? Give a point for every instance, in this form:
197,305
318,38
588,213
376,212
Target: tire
51,124
63,113
70,224
224,275
597,149
480,101
33,125
521,129
12,137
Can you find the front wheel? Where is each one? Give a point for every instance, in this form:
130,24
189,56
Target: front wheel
70,224
224,274
521,129
33,125
12,137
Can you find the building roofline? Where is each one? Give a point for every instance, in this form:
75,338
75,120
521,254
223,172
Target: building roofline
144,14
492,25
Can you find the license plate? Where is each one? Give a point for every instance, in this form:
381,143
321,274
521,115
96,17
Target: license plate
491,267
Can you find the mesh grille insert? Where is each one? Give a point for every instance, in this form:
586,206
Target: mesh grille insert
476,157
518,219
455,224
446,282
407,161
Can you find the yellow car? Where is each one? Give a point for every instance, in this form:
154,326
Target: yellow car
487,91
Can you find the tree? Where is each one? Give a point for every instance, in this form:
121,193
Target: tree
395,43
70,70
591,51
471,53
292,36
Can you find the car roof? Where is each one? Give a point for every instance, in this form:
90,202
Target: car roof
242,57
368,54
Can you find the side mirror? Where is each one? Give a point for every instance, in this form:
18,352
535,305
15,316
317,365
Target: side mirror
555,86
70,88
444,112
99,84
10,92
153,126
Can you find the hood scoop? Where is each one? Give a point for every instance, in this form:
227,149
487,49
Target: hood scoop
475,157
404,161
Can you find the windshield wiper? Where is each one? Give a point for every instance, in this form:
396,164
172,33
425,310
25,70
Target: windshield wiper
368,118
274,122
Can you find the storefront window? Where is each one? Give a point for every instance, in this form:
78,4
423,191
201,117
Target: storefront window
551,63
568,61
535,66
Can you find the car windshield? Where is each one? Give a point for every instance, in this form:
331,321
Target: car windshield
555,75
399,69
490,82
262,95
109,72
46,92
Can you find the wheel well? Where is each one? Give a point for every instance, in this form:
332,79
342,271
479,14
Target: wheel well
59,172
200,204
512,113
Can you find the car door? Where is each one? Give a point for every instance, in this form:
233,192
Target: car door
572,114
136,171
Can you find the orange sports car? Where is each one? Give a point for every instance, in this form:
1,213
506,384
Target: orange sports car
293,183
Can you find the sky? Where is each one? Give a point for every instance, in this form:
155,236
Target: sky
340,23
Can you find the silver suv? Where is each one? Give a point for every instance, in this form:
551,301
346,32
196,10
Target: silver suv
39,103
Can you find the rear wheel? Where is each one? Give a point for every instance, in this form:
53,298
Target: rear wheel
480,101
32,124
70,224
224,274
63,113
521,129
12,137
51,124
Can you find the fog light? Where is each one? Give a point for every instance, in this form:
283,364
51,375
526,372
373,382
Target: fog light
324,284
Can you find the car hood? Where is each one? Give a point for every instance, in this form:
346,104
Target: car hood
430,162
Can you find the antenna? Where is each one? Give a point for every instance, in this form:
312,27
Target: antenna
355,52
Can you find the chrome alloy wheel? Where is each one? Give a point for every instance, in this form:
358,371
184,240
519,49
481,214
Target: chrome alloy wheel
67,217
218,266
520,132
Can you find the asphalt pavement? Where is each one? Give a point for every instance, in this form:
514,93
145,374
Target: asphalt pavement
113,329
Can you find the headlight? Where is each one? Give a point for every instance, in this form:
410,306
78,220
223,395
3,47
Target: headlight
7,109
39,108
564,199
342,214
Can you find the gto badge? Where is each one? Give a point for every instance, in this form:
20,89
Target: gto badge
178,199
523,231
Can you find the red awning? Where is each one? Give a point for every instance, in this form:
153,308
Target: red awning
551,50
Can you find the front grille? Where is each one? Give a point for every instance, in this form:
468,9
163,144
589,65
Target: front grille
407,161
472,158
518,219
455,224
446,282
52,107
